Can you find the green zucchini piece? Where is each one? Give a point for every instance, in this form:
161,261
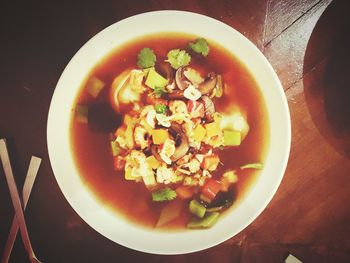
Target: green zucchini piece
95,86
208,221
197,209
81,113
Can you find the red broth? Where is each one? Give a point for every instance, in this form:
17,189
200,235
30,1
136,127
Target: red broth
91,142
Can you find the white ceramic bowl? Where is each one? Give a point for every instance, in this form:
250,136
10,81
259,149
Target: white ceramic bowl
103,220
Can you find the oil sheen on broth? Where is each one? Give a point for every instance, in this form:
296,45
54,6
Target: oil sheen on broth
91,144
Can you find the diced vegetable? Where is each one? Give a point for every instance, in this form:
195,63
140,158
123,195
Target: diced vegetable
225,184
202,181
208,221
169,212
200,46
129,120
210,190
161,108
116,150
120,131
213,129
164,194
148,127
119,163
146,71
129,136
215,209
199,133
195,108
146,58
190,181
184,192
219,87
154,79
232,138
177,179
149,180
159,136
231,176
178,58
153,162
211,162
252,166
128,174
81,113
132,174
94,86
197,209
193,76
236,121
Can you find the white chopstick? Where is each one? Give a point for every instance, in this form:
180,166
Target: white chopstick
16,201
27,188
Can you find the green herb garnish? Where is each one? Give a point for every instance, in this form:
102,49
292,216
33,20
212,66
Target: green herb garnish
178,58
158,91
146,58
200,46
161,108
165,194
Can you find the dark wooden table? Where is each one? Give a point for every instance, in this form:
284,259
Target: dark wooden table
307,43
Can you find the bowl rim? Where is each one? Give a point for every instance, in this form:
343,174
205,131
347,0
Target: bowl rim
56,148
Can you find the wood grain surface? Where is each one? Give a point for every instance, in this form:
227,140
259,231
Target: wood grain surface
307,43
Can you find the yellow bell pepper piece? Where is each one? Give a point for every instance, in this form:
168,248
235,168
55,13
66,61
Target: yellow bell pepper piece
199,133
232,138
212,129
152,162
128,120
159,136
129,136
128,174
120,131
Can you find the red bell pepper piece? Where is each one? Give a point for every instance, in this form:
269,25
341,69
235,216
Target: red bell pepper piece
119,163
210,190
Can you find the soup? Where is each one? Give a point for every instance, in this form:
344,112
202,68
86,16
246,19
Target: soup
169,131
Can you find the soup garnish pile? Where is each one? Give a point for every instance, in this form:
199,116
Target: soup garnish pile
169,134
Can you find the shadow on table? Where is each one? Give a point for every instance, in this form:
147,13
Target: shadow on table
327,76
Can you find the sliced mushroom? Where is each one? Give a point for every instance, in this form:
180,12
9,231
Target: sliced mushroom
208,85
181,81
181,142
209,108
166,70
154,150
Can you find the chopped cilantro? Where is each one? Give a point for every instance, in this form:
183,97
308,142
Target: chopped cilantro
146,58
161,108
178,58
158,91
164,194
200,46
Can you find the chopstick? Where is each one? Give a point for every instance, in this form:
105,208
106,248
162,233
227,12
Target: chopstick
27,188
16,201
